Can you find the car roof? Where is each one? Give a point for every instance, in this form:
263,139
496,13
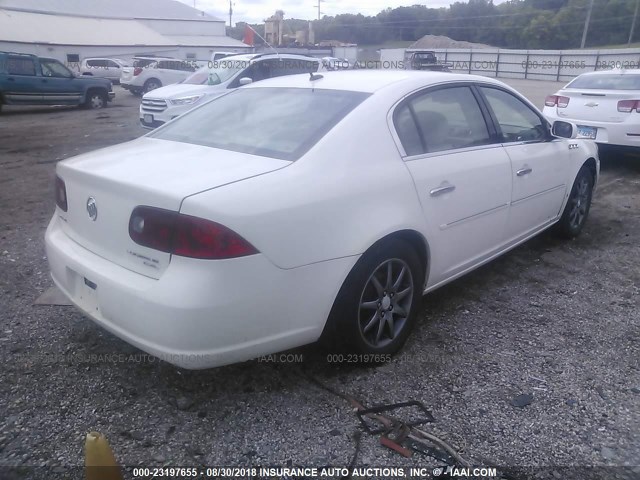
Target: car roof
369,81
256,56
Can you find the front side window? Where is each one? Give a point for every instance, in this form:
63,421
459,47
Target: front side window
445,119
517,122
21,66
52,68
279,123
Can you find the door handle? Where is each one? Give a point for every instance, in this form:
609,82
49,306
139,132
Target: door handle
440,190
11,79
524,171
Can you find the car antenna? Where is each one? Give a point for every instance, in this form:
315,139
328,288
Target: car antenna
313,76
261,38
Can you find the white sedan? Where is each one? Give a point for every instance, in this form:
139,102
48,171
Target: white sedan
605,106
307,207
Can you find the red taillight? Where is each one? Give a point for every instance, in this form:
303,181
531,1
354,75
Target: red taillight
61,194
137,71
184,235
559,100
627,106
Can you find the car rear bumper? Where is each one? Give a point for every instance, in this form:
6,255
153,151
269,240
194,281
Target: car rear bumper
200,313
625,134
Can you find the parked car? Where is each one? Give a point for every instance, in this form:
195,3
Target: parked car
333,63
215,56
31,80
261,220
167,103
110,68
149,73
604,104
424,60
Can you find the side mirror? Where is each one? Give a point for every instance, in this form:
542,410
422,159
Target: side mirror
245,81
564,129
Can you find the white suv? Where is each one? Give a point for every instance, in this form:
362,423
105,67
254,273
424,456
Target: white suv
110,68
167,103
158,73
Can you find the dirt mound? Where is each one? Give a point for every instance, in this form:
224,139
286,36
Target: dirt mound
440,41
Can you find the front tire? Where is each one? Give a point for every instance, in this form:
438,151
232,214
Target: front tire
578,205
377,305
96,100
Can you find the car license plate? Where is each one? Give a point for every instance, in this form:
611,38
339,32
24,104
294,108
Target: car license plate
587,132
148,118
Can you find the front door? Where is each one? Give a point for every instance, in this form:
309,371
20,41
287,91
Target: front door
539,163
59,85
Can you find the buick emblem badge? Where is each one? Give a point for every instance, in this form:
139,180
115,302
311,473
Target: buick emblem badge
92,208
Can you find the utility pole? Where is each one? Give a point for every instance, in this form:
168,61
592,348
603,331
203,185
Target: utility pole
586,25
230,13
318,7
633,23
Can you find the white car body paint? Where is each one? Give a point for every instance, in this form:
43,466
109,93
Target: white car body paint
310,220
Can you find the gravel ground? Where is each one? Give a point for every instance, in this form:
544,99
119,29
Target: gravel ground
555,320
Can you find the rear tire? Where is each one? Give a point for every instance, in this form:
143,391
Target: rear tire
151,84
578,205
377,305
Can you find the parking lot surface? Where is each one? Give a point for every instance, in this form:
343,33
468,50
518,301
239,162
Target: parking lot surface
552,319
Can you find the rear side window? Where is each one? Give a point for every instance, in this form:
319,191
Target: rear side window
21,66
280,123
443,119
614,81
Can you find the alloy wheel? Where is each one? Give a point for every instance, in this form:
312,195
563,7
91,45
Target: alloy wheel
385,303
579,203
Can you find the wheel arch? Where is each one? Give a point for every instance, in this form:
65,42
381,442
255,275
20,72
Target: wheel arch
417,241
152,79
591,164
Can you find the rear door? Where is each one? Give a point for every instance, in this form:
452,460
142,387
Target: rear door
173,71
23,84
461,173
539,162
112,70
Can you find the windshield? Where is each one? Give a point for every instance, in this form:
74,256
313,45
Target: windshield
222,72
614,81
280,123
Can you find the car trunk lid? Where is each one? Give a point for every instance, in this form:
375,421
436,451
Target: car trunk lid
594,105
104,187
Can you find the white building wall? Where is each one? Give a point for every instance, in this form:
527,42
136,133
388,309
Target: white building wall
60,52
185,27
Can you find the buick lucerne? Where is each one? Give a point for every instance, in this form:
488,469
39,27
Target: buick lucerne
307,207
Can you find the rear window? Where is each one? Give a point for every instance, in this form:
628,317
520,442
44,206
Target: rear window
614,81
280,123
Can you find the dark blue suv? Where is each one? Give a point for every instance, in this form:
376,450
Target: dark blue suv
31,80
